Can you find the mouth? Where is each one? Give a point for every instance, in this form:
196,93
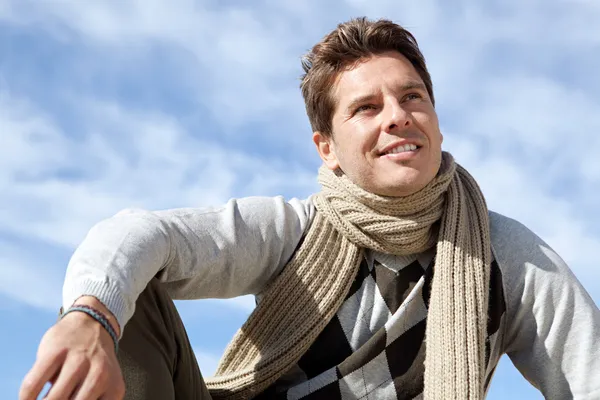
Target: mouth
400,149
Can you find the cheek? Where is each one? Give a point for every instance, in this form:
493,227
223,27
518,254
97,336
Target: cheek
360,137
432,130
428,123
368,138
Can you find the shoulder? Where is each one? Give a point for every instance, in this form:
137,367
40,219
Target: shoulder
272,217
266,209
508,234
530,269
517,248
527,264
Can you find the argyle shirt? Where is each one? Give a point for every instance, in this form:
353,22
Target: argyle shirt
374,347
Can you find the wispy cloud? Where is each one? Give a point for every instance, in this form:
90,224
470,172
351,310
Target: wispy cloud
240,55
25,279
123,157
56,186
514,118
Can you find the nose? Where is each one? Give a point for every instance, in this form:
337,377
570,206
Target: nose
395,117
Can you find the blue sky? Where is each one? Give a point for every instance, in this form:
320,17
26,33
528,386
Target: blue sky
145,103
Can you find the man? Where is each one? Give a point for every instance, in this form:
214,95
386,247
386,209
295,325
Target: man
393,282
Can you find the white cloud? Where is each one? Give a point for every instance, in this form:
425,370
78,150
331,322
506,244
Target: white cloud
241,74
27,279
508,120
164,168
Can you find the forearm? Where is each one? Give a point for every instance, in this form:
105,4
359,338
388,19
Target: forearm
197,253
115,262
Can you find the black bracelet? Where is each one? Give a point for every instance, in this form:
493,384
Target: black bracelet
98,316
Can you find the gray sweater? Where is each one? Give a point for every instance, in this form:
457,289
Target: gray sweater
550,326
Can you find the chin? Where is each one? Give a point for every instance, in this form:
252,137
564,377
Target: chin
403,187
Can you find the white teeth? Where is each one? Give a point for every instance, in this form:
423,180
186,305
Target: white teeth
402,149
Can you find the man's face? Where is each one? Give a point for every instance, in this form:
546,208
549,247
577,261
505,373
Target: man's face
386,136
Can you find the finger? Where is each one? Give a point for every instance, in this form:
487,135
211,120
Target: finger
94,386
42,371
71,375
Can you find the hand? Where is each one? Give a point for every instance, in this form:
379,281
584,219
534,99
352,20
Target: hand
77,356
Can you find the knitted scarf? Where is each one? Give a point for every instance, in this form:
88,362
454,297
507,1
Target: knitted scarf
450,212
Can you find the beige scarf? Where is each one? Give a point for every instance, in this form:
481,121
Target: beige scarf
449,211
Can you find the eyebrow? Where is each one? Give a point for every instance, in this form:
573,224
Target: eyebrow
411,85
406,86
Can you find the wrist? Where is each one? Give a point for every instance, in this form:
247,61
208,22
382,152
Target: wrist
97,316
93,302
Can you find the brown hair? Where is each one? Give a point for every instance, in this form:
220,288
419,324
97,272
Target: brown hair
343,48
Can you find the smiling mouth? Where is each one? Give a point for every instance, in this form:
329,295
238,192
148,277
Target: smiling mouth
402,149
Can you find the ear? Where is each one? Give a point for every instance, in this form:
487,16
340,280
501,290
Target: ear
326,149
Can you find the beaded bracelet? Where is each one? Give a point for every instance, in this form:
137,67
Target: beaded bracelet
98,316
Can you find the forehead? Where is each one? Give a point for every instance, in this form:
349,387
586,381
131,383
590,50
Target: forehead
379,72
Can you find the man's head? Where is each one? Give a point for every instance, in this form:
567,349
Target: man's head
367,93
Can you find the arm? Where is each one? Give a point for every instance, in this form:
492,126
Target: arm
224,252
199,253
553,326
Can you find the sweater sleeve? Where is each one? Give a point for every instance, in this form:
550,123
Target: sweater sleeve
552,334
198,253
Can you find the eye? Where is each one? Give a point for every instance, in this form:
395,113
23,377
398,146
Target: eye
413,96
365,107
